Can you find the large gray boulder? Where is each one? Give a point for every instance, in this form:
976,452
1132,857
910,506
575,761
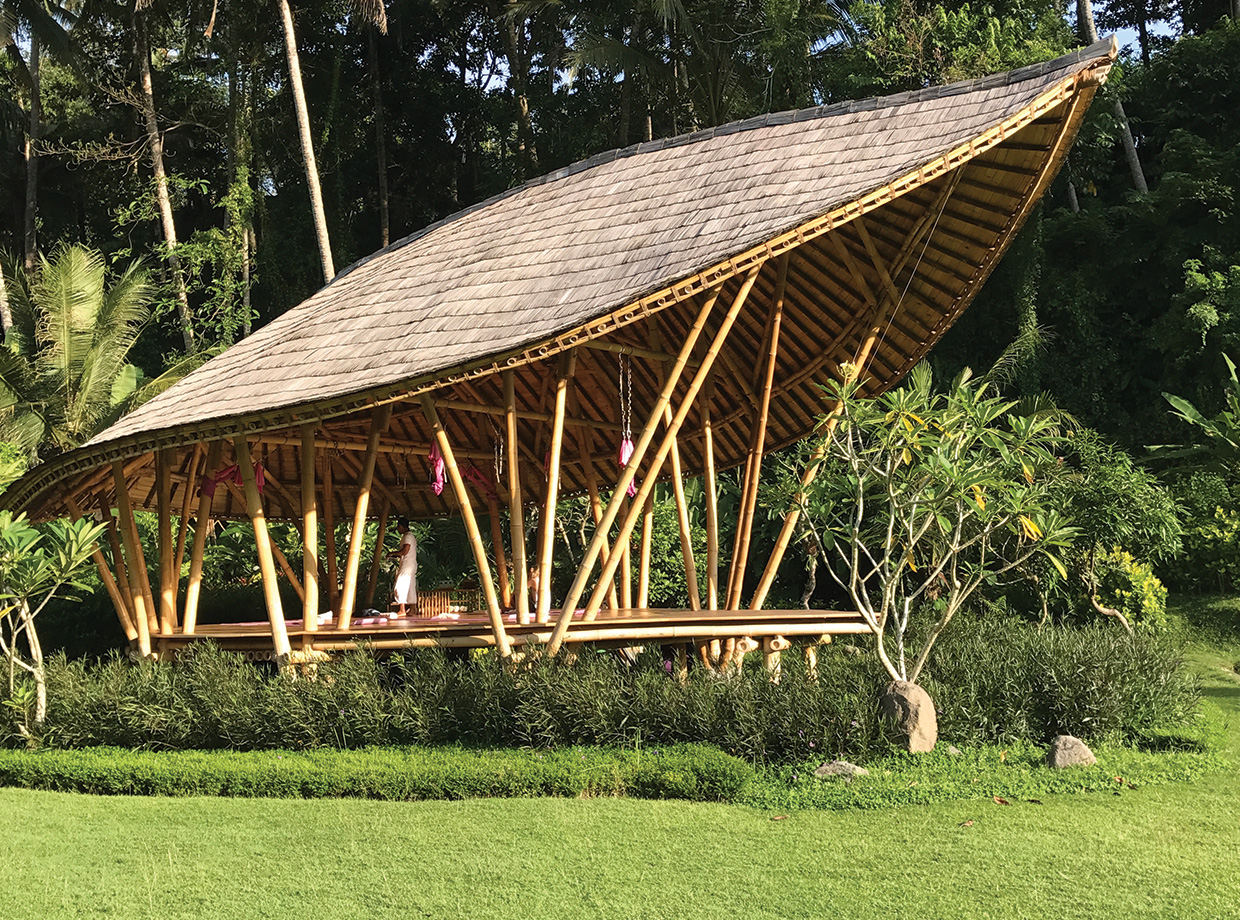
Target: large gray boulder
910,711
1067,751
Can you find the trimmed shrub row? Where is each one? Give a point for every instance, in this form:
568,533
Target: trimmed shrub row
692,772
994,683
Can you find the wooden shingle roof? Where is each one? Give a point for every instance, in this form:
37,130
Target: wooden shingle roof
583,250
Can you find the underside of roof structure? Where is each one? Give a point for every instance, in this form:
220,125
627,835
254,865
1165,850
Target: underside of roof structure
871,221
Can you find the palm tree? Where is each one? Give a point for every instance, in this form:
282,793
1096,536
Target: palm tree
371,11
64,367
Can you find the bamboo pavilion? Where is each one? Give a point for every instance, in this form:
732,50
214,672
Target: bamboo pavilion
687,296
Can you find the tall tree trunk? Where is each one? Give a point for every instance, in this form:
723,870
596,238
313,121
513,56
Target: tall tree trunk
1089,33
626,106
518,72
307,143
32,159
1143,34
6,312
156,142
372,46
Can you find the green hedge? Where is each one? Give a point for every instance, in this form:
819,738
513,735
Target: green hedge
994,682
692,772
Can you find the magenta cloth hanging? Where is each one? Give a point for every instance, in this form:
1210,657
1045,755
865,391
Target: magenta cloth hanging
439,472
231,474
626,453
626,414
479,478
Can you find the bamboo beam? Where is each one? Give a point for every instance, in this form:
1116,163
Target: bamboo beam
526,414
309,530
376,563
202,526
753,473
348,445
348,594
109,583
136,562
266,559
636,351
516,505
471,524
643,443
329,535
546,528
118,557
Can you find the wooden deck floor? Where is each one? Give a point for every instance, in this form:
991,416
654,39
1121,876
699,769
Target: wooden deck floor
473,630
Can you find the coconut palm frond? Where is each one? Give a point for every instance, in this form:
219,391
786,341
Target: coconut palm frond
143,391
610,56
20,337
68,292
122,315
373,11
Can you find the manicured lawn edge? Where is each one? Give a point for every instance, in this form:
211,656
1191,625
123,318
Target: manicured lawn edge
689,772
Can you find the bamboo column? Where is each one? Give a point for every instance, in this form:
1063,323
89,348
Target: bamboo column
109,583
202,526
546,529
329,535
516,504
135,560
753,469
385,507
118,557
643,564
712,498
187,498
678,490
167,584
643,443
348,593
266,559
471,525
497,541
596,504
309,530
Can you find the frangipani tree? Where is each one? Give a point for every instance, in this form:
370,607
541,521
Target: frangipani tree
35,564
923,497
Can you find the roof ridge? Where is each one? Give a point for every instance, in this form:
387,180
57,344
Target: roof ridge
1101,48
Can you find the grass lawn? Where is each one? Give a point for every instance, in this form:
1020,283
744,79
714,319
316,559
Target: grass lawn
1165,851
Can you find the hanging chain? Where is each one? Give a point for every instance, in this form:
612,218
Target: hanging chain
626,397
497,442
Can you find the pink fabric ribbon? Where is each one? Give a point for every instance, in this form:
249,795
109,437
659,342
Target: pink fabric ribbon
231,474
626,453
479,478
439,472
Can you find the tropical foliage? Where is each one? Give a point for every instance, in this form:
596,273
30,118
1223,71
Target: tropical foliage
925,496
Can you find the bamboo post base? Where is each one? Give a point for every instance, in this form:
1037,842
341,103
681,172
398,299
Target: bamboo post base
772,646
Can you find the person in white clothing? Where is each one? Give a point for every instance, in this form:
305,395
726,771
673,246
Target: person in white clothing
405,591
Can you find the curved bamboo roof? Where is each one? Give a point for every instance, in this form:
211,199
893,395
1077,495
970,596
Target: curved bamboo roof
910,198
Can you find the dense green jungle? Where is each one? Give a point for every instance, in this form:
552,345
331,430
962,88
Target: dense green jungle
160,156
